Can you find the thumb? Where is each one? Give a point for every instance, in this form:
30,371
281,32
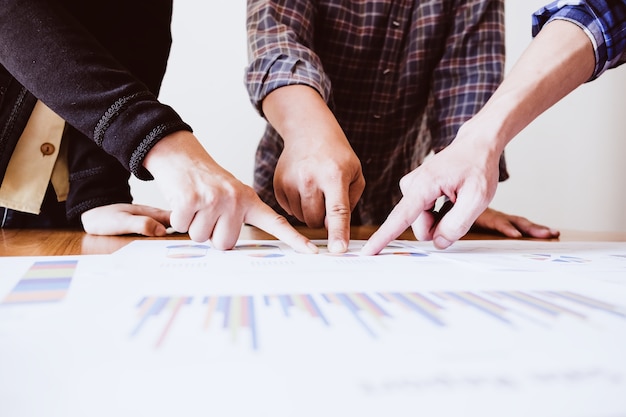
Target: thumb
143,225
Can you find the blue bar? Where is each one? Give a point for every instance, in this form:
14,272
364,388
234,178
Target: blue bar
478,307
354,310
252,322
528,303
26,285
154,310
591,303
223,305
402,298
316,308
285,303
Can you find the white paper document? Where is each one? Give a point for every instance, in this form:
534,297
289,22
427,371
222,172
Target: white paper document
174,327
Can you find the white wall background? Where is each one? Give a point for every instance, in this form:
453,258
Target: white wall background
568,168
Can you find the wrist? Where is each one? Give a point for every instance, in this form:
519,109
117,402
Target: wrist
486,132
301,117
167,151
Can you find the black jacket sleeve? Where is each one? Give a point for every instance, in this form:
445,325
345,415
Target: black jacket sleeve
78,59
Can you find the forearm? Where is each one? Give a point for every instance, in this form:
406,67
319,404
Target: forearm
299,114
558,60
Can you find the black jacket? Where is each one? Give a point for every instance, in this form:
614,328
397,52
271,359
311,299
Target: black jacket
99,65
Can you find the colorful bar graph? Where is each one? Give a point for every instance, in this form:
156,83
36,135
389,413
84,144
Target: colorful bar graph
537,304
417,303
376,313
478,302
238,313
150,307
44,282
587,302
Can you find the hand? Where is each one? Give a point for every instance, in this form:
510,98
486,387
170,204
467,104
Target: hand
318,177
466,172
545,73
207,201
512,226
121,219
320,184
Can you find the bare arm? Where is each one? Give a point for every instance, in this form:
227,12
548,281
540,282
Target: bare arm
557,61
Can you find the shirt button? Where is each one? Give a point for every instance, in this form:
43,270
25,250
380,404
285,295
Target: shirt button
387,71
376,116
47,149
395,23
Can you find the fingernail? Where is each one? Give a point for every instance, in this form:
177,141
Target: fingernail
313,247
337,247
365,247
441,242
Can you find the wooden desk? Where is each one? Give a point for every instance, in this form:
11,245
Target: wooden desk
26,242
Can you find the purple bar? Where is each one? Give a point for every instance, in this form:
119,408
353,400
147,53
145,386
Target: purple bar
477,306
154,310
252,322
31,284
355,313
587,302
223,305
317,310
285,303
417,308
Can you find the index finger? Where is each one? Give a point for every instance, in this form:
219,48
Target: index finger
263,217
338,219
400,219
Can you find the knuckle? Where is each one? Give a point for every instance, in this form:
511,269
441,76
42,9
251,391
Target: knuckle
339,210
226,195
334,171
405,183
190,200
308,179
280,220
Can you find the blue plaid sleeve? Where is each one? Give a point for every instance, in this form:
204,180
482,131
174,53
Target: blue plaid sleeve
604,21
279,49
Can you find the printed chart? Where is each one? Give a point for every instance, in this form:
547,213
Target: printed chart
375,313
160,328
44,282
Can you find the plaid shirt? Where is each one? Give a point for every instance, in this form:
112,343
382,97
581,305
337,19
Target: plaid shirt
401,77
604,21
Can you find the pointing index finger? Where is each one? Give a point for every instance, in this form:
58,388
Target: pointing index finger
338,219
265,218
400,219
